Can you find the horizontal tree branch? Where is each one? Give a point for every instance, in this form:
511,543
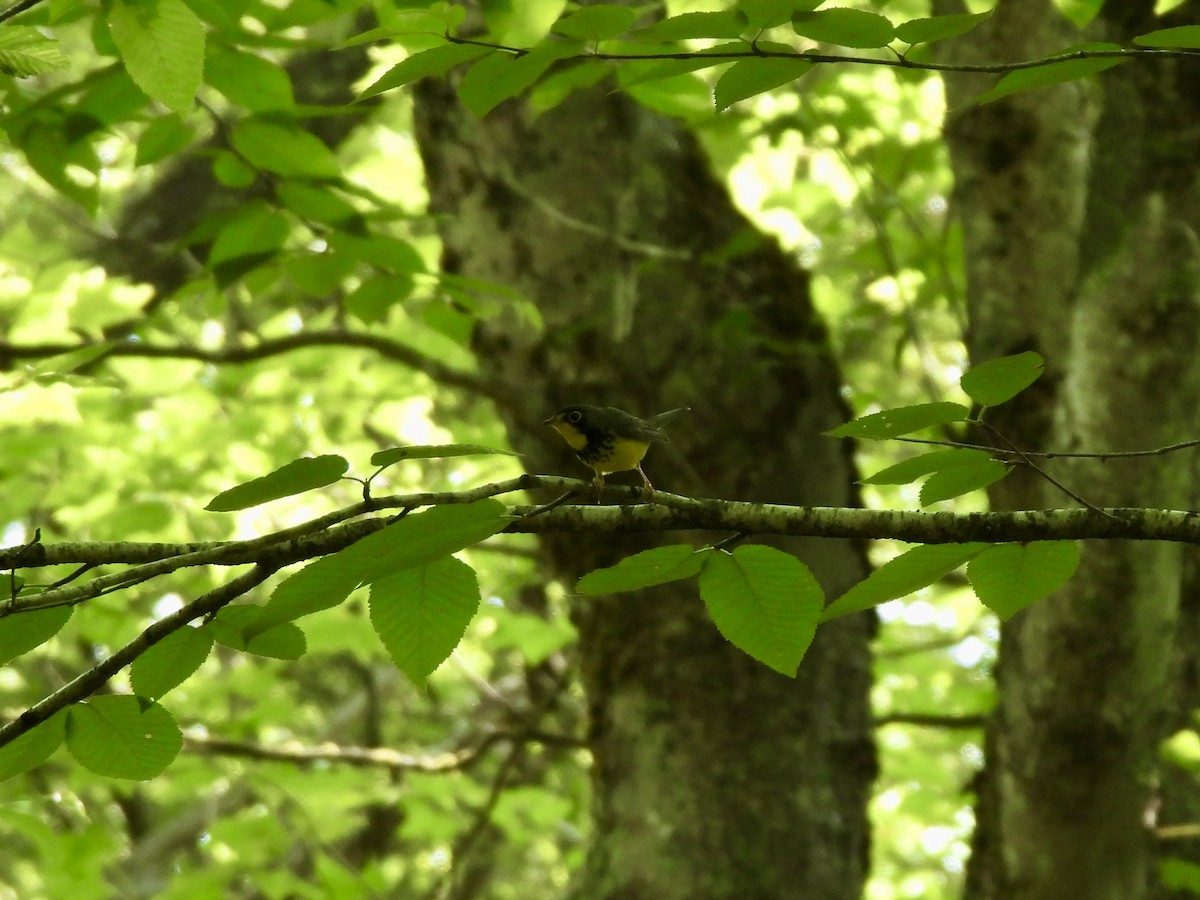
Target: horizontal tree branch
382,757
755,51
932,720
264,349
669,512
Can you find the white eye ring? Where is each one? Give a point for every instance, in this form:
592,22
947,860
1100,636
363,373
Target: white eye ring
575,417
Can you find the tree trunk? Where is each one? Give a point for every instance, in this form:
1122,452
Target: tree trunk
1079,211
714,776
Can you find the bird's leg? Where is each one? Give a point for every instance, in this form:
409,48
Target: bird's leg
598,482
647,487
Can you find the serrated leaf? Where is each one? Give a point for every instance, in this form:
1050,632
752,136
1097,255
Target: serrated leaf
959,480
434,451
170,662
254,232
412,541
25,51
596,23
750,77
845,27
502,76
910,470
21,632
910,571
1181,36
762,14
121,736
646,569
998,380
421,613
1009,577
284,149
1050,74
434,61
764,602
249,80
721,25
938,28
298,476
162,45
901,421
34,747
236,627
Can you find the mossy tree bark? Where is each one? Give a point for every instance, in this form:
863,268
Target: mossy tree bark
1079,207
714,776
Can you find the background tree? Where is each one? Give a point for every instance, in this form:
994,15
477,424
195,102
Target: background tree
196,294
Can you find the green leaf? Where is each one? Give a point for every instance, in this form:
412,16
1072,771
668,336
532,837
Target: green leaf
237,627
253,232
646,569
371,300
761,14
121,736
765,602
298,476
21,632
170,662
319,204
162,45
434,451
998,380
502,76
412,541
938,28
749,77
384,251
959,480
910,470
249,80
722,25
901,421
917,568
1009,577
421,613
1052,73
25,51
433,61
284,149
1182,36
34,747
597,23
846,27
163,137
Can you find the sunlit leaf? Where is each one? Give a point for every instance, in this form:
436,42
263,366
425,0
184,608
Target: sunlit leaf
305,474
1049,74
998,380
503,76
434,61
1183,36
284,149
749,77
910,571
845,27
650,567
763,601
955,481
238,627
938,28
422,612
719,25
597,23
122,736
1009,577
434,451
162,46
170,662
32,748
21,632
901,421
910,470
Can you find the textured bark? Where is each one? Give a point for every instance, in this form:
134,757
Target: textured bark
1079,211
714,777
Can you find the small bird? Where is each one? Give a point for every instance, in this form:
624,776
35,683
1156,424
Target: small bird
609,439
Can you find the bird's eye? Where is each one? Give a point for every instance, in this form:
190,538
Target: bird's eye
574,417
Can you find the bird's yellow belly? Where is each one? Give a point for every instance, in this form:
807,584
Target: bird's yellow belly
620,455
